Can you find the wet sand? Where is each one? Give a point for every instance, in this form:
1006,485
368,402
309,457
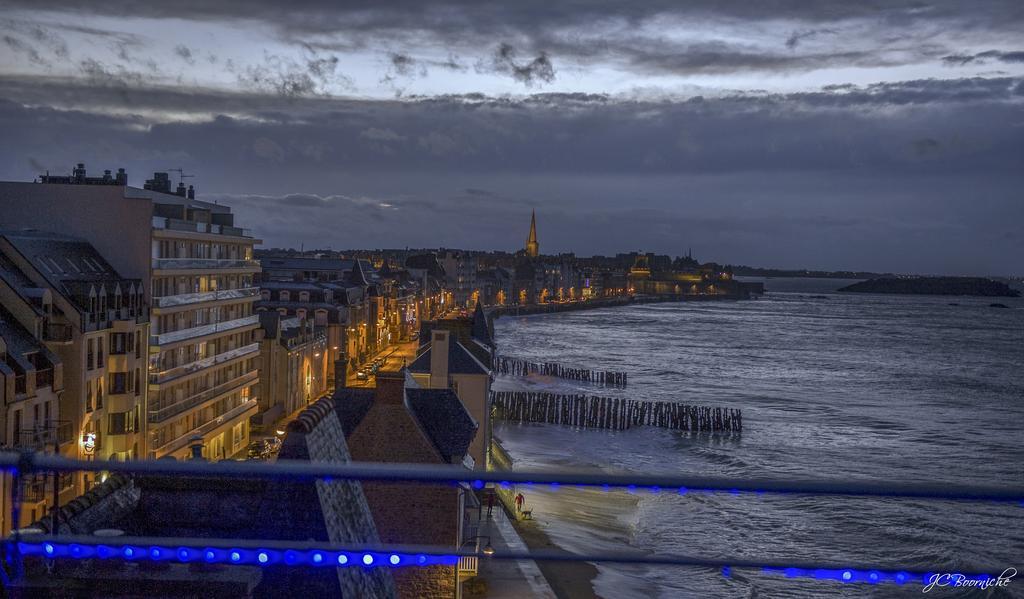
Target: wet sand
569,580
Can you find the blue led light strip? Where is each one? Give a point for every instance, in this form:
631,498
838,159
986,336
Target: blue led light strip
304,554
422,473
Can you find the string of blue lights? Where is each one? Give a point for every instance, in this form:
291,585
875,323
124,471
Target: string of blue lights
296,554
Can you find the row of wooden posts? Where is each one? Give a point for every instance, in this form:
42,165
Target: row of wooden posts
520,367
611,412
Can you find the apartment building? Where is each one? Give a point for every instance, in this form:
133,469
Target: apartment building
96,322
203,354
31,381
294,365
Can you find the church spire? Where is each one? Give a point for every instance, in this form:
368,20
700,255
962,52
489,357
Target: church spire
532,247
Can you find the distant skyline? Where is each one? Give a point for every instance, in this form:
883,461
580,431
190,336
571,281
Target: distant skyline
823,135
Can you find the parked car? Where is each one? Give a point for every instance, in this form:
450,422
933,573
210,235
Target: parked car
258,450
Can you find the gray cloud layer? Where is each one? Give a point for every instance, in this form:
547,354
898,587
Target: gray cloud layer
920,175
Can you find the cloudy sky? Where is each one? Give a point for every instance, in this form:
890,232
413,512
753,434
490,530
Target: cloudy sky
831,134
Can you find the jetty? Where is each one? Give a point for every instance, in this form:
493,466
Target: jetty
519,367
613,413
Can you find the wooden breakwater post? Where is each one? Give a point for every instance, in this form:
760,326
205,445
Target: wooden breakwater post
614,413
519,367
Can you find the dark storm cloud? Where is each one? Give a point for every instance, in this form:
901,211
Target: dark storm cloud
505,60
312,75
544,32
185,53
798,36
20,46
983,57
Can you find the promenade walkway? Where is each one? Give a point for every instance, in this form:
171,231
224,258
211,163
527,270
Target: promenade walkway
507,579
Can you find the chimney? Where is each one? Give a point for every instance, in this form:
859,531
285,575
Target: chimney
180,191
191,192
122,177
78,174
439,346
390,387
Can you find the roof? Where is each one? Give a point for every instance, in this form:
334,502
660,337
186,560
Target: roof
480,331
460,361
351,406
427,262
445,420
70,265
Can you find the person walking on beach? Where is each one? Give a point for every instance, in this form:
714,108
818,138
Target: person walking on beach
519,502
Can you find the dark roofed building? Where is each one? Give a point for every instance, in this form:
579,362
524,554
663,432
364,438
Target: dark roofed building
445,362
397,422
199,507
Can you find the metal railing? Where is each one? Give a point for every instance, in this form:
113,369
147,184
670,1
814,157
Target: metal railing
158,378
184,299
184,440
311,553
203,264
177,224
204,329
159,415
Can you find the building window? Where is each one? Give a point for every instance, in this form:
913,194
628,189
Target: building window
90,357
120,423
138,385
138,344
284,296
303,296
118,382
117,344
99,352
88,396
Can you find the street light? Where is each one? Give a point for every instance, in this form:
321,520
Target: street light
487,550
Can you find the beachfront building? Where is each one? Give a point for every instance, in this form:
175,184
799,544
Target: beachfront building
203,357
96,322
293,367
455,354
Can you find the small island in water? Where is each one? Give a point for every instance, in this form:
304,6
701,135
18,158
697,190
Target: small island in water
934,286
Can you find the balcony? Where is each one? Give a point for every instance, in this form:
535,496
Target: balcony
209,427
44,378
189,226
185,299
171,374
57,333
203,397
205,264
204,330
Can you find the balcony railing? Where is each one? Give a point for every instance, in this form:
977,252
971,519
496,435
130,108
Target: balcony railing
202,330
468,565
58,333
189,403
202,264
177,224
170,301
170,374
228,416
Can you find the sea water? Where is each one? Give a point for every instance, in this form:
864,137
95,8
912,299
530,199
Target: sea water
833,386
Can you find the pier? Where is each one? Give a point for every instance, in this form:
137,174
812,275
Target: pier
613,413
519,367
